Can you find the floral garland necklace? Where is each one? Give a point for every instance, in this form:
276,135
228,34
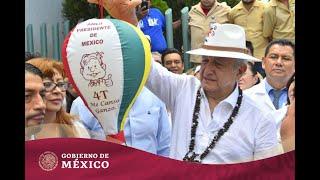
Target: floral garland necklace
192,156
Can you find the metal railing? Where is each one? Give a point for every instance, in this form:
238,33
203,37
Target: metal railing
57,41
185,33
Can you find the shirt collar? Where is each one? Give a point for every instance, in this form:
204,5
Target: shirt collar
269,88
273,2
231,99
279,4
241,6
199,8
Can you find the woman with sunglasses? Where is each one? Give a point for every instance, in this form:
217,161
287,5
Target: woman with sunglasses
58,123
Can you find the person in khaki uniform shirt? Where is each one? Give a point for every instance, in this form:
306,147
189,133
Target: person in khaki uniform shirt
249,15
200,17
279,20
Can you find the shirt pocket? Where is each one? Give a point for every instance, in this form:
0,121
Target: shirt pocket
235,146
282,17
144,124
241,20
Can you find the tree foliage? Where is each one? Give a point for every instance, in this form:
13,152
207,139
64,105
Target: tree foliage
160,4
75,10
177,5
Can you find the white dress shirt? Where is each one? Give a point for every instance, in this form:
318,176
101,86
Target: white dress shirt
251,136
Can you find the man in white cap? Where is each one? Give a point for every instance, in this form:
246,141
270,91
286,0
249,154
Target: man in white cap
213,122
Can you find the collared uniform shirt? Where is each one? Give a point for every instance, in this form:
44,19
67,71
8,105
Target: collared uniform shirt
252,22
279,20
199,24
147,127
251,136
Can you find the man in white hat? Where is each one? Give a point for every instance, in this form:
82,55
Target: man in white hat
213,122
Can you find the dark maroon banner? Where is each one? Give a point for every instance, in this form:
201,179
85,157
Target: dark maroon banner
81,159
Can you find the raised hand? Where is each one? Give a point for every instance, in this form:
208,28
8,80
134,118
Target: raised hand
121,9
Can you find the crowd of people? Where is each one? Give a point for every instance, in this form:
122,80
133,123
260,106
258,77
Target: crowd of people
236,104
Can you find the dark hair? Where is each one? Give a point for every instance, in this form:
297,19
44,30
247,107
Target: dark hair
48,67
170,51
281,42
29,55
290,81
249,46
254,71
29,68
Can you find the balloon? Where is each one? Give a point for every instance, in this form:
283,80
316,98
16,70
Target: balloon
108,62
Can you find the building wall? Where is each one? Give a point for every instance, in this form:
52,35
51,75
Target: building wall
43,11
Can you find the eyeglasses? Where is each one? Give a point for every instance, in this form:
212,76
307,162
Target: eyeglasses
49,86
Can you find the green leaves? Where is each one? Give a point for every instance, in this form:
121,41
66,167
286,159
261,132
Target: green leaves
160,4
75,10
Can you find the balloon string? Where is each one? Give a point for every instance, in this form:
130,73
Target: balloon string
101,9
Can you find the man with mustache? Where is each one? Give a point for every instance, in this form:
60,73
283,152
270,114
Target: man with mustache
34,100
279,65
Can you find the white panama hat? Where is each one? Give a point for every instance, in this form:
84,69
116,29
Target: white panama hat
225,40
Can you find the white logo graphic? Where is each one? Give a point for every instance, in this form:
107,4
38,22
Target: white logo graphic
48,161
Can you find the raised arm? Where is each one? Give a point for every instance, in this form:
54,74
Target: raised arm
167,85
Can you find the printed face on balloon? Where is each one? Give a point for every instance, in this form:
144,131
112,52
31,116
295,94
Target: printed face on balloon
94,70
92,67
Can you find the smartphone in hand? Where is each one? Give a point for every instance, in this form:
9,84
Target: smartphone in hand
144,5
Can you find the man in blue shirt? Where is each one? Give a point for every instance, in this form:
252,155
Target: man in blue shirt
147,127
279,64
152,22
